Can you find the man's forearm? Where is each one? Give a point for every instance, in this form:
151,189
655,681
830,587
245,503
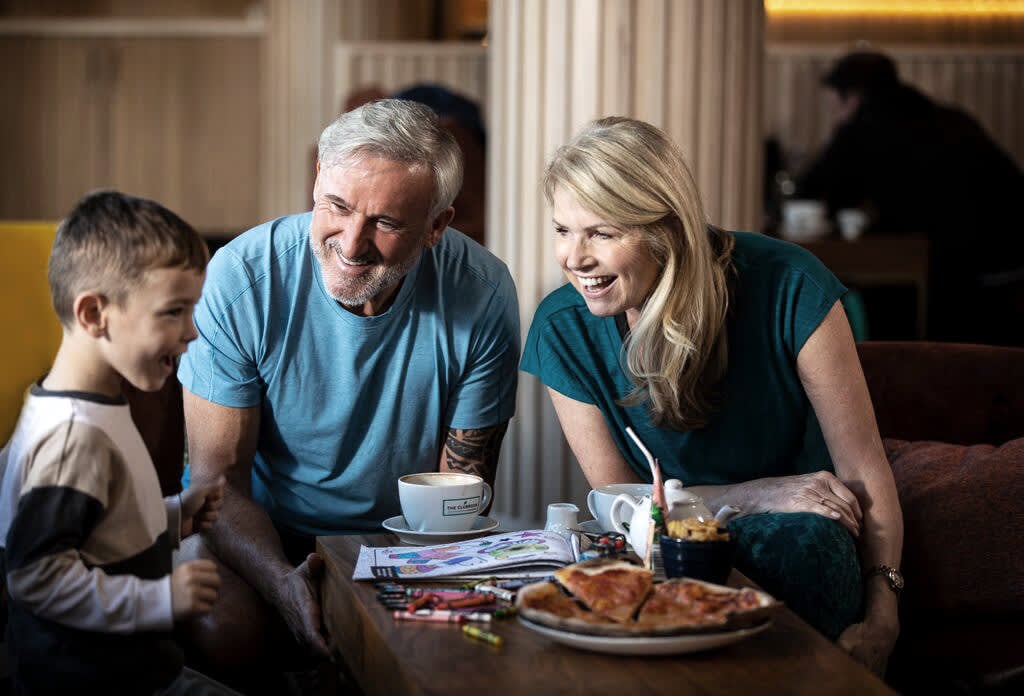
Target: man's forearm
245,539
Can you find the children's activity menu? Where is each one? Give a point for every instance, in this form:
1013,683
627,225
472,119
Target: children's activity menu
527,553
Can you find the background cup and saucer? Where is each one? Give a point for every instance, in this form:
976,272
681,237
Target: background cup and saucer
803,220
852,222
599,502
441,507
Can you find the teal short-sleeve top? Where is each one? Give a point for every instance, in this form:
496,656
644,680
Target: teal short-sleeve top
764,425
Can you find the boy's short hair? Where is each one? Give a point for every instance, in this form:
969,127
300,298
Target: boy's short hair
110,240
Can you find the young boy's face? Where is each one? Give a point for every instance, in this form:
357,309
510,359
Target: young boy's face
154,326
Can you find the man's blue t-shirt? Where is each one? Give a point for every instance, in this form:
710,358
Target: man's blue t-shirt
349,403
764,426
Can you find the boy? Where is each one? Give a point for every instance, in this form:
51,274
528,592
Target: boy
85,538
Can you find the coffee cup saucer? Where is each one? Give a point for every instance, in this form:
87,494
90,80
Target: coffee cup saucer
400,528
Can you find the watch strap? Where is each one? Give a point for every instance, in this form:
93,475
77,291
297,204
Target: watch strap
892,576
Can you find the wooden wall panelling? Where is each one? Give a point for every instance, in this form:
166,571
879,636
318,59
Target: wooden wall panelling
175,119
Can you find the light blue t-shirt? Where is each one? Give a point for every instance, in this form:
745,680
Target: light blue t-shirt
350,403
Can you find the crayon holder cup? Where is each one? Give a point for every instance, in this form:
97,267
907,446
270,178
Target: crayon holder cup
710,561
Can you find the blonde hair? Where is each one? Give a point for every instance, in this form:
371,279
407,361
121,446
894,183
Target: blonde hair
109,241
632,175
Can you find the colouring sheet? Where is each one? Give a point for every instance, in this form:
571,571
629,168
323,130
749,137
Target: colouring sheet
529,553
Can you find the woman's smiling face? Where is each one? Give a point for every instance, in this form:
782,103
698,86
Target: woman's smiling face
612,267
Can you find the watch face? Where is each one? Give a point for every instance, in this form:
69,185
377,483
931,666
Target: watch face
895,579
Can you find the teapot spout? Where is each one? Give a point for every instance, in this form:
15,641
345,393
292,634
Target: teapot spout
726,513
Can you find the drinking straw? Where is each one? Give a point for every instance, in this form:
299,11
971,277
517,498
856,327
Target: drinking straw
658,504
658,489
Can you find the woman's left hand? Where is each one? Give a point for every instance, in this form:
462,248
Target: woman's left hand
870,643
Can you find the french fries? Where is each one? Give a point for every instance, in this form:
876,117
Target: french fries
693,529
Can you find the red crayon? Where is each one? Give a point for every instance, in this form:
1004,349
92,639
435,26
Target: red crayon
419,602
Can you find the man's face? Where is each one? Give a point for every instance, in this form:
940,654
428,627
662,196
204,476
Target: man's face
840,108
371,222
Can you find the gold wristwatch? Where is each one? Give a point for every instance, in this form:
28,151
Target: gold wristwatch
891,575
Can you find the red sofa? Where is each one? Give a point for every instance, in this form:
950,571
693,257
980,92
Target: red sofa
952,421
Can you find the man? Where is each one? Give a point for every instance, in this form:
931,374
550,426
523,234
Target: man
338,350
916,166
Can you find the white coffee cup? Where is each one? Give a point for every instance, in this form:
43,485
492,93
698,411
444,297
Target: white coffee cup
852,222
442,501
599,500
803,220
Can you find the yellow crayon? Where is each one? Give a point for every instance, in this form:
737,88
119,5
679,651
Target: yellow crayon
485,636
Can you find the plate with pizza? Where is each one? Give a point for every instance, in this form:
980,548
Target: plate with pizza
646,645
612,598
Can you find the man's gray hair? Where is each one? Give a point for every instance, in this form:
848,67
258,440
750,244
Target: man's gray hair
399,130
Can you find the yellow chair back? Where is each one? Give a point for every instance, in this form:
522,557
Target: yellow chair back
33,332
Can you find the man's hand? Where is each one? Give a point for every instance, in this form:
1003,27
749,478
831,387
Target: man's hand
298,604
194,587
870,643
200,506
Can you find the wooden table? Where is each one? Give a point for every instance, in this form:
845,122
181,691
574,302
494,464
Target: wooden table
871,261
388,657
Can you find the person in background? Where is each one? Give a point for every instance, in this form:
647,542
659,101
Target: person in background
85,539
916,166
461,117
338,350
730,356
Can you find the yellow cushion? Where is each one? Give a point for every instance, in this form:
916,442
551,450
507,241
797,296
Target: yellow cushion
32,331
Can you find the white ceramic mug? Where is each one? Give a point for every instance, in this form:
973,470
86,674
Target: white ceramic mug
852,222
442,501
803,220
599,500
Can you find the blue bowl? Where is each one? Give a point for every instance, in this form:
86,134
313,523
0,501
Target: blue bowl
710,561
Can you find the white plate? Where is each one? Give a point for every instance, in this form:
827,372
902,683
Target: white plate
645,645
398,525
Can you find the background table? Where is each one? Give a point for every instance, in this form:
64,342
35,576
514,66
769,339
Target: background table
872,261
389,657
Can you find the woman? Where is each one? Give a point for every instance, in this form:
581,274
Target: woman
724,351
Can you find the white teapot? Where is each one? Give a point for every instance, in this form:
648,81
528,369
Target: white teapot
639,520
682,503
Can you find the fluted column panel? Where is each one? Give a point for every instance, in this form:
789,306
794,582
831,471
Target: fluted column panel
692,67
299,72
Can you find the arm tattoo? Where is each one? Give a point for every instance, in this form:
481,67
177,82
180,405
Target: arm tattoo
475,451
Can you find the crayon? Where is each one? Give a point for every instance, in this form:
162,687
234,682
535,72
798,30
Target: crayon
480,634
477,616
420,602
505,612
440,594
475,601
506,595
431,616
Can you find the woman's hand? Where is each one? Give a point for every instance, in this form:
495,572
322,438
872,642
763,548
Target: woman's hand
821,493
870,643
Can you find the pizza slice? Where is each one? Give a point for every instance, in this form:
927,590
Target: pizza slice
688,603
612,589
